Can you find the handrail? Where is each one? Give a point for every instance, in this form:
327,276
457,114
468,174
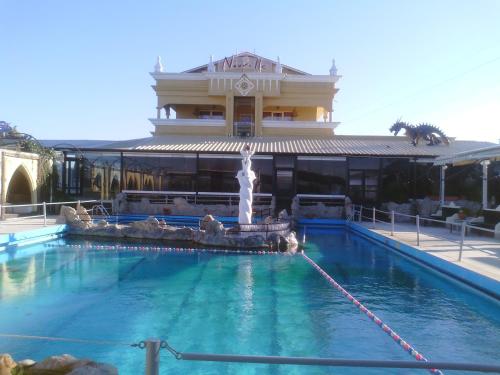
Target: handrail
462,224
44,205
193,193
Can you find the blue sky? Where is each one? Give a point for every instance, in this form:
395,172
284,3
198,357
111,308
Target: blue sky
80,69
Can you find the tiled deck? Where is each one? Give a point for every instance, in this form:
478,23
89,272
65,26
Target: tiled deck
16,225
481,253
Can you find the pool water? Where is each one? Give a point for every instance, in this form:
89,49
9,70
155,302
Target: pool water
240,304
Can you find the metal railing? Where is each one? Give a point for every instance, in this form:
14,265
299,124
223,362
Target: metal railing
359,210
153,348
202,197
38,210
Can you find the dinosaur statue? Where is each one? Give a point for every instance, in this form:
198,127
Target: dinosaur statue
427,132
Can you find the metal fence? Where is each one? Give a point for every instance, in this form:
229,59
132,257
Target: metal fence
375,216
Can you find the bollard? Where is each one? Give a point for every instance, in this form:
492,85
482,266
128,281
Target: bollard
44,214
360,213
152,356
462,238
373,217
392,223
418,229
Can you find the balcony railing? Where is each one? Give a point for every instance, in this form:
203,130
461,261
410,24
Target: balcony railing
243,129
299,124
188,122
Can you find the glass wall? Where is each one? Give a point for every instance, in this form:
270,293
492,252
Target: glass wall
160,172
364,179
263,168
321,175
217,173
101,175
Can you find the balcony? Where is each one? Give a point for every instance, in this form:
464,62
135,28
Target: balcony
287,124
188,122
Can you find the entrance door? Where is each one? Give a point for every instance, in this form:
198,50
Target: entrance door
244,113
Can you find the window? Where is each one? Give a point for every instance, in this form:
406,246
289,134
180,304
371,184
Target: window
211,114
321,175
278,115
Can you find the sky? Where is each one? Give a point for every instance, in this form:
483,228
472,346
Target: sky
80,69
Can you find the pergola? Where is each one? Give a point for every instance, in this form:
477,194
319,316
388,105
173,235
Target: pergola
484,156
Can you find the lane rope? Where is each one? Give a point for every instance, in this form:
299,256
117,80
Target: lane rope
162,249
402,343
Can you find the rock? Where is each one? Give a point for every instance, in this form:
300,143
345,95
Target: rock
85,367
6,364
214,228
83,214
26,363
204,222
101,224
268,220
63,363
67,215
283,215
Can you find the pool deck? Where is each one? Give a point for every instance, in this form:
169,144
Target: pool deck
480,254
10,226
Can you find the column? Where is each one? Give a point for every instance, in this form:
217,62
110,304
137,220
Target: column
485,164
229,113
442,183
258,114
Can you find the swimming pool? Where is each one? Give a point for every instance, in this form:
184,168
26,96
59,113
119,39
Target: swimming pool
241,304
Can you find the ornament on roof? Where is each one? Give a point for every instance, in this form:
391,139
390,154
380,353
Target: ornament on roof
277,67
211,66
333,69
158,65
426,132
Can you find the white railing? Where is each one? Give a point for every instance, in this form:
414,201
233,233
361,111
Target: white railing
360,211
327,199
202,197
36,208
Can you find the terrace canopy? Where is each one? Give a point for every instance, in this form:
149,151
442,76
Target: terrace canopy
484,156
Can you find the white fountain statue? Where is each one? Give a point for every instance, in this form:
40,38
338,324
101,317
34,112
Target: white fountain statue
246,177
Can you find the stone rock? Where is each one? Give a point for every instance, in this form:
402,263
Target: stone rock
101,224
26,363
85,367
6,364
83,214
215,228
67,215
60,363
204,222
268,220
283,215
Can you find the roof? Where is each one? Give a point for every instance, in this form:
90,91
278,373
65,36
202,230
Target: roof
253,62
470,156
336,145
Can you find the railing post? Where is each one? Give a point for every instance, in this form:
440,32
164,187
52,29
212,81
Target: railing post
360,213
373,217
44,214
2,214
462,238
152,356
78,203
392,223
418,229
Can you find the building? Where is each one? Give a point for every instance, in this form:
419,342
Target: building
205,115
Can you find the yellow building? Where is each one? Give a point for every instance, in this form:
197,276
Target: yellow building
244,95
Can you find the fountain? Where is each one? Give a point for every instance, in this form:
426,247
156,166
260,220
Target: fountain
271,233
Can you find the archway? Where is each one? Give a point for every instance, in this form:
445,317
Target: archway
20,189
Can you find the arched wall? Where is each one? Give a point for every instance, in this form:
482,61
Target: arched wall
10,162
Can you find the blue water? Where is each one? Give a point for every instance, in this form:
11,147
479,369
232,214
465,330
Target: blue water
267,305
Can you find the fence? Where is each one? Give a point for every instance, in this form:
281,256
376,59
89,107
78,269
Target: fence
376,215
153,348
208,198
35,210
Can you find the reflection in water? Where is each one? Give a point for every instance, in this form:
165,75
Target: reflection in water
247,307
16,282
